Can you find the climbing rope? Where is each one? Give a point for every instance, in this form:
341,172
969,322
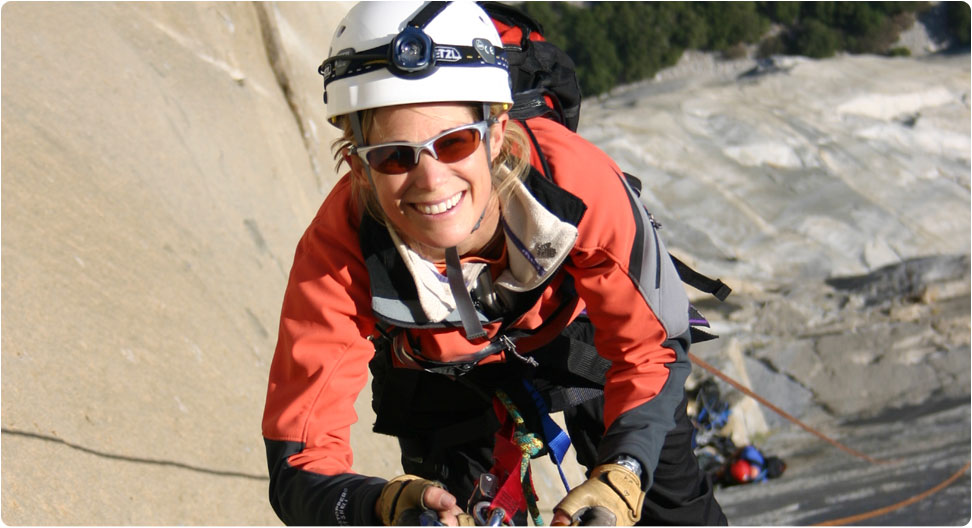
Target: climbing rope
897,506
529,446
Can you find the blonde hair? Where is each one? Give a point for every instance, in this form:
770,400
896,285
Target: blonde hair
510,165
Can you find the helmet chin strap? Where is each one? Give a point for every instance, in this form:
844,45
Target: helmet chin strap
489,164
471,325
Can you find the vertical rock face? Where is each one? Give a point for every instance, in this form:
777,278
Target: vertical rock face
161,160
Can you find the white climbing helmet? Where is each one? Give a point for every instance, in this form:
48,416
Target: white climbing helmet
392,53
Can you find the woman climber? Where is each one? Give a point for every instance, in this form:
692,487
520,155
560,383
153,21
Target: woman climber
482,294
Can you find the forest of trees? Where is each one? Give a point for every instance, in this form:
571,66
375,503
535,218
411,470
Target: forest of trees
615,43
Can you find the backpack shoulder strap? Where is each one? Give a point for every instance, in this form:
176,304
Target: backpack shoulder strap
714,287
536,146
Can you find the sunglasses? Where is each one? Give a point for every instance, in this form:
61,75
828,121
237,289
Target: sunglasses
399,157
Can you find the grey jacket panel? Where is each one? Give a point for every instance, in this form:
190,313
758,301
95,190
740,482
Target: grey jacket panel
652,270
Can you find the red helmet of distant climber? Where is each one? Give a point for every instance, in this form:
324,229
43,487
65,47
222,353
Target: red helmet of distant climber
742,471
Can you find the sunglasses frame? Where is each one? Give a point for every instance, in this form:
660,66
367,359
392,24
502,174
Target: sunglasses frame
428,145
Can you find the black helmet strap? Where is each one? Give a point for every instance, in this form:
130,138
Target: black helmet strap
427,13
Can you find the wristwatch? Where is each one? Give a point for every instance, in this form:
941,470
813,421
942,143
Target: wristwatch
629,463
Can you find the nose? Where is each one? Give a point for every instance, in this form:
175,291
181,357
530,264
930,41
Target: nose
428,172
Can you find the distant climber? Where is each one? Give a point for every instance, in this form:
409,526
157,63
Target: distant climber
724,462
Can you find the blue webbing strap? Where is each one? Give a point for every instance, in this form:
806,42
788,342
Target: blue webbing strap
555,437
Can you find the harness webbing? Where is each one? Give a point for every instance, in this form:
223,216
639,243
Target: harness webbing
557,439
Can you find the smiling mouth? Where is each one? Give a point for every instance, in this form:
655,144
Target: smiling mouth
441,207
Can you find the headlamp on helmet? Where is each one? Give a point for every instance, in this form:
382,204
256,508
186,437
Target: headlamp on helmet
411,50
411,54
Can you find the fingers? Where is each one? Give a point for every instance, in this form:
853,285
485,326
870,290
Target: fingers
439,499
444,503
560,519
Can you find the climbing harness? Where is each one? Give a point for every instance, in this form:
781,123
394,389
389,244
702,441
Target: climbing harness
507,488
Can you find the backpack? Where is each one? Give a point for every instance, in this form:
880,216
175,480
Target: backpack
544,83
543,76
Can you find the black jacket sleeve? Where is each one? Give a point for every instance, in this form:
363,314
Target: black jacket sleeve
641,431
304,498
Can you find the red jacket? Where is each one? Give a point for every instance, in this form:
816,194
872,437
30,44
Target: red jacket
338,291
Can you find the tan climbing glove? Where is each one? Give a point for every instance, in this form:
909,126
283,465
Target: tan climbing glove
401,502
401,499
612,496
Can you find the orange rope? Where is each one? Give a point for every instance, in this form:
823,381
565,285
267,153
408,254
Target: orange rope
745,390
902,504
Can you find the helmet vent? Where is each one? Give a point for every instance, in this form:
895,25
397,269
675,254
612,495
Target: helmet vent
340,31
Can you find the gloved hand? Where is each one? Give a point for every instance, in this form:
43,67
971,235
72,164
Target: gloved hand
612,496
404,498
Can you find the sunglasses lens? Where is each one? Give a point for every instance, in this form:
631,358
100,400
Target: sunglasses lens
450,148
457,145
392,159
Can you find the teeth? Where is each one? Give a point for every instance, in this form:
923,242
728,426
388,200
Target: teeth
440,207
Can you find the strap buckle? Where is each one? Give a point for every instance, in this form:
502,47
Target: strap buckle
510,346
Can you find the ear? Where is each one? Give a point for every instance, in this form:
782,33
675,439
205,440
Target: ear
497,133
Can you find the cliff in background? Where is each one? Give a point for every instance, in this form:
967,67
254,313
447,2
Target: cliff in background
161,160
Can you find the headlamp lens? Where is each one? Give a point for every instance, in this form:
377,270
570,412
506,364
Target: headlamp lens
412,50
